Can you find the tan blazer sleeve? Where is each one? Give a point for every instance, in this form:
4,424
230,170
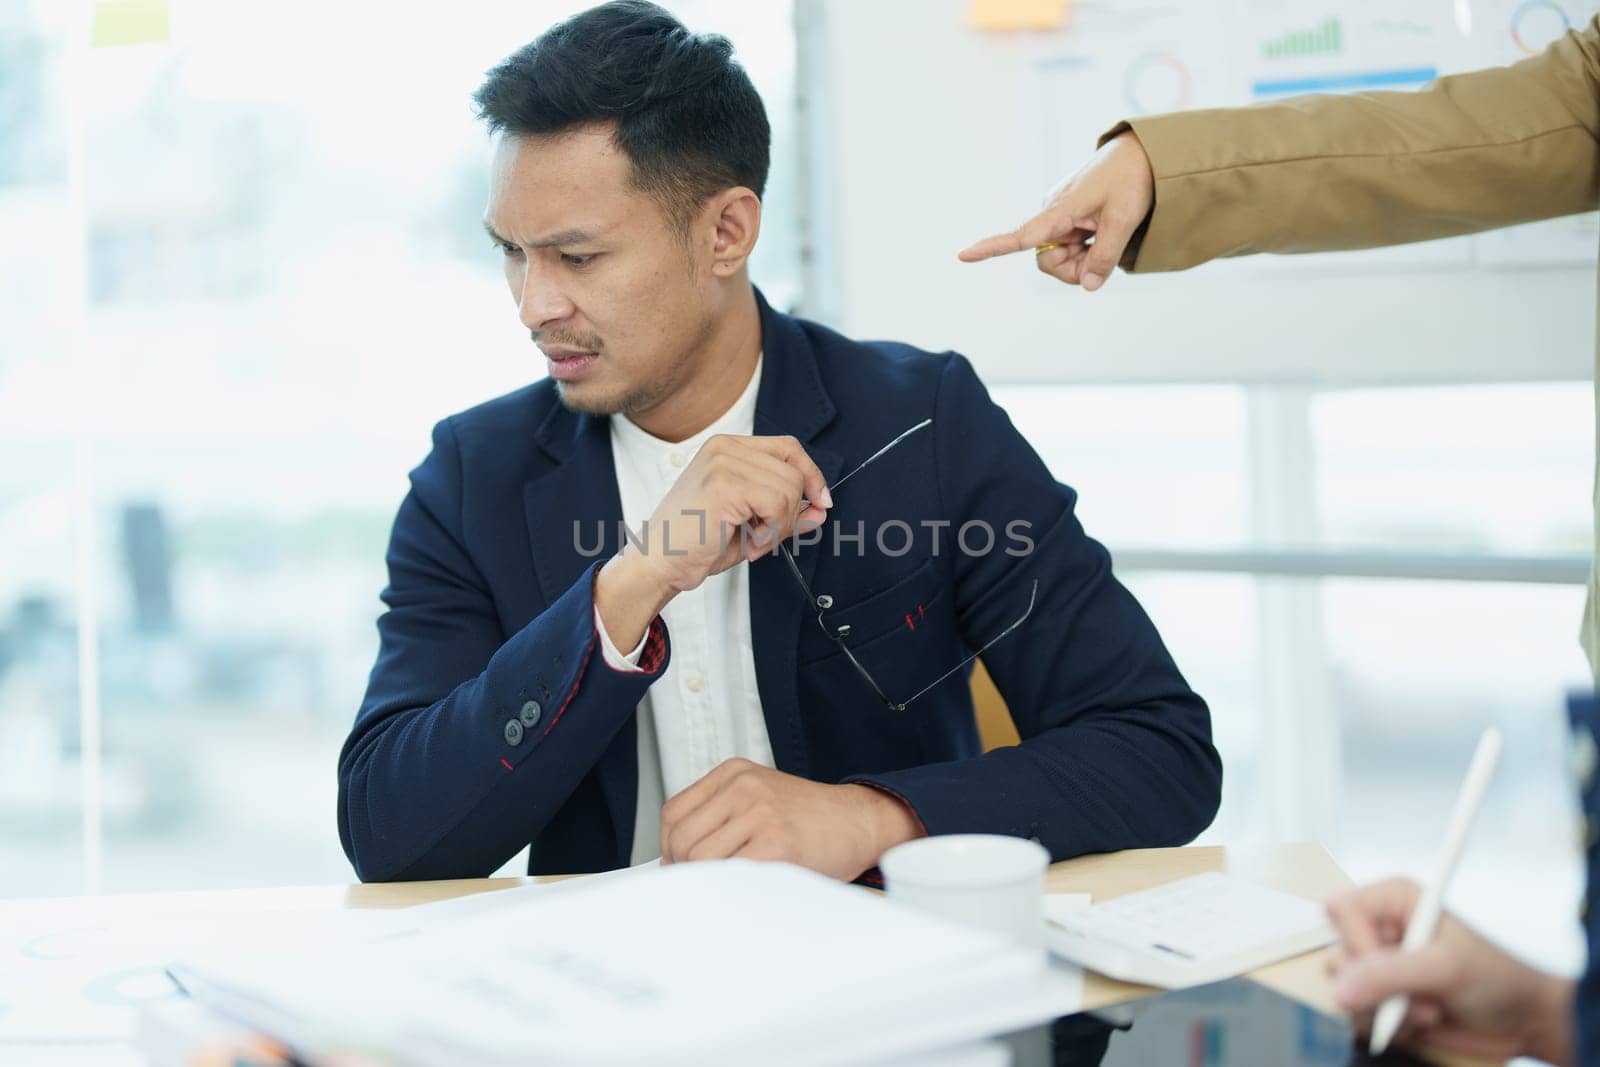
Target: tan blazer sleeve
1319,173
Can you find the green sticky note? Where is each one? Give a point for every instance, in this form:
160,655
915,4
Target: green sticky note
120,22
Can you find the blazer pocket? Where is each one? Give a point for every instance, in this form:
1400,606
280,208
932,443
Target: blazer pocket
900,609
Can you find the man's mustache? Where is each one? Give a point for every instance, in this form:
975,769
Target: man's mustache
583,344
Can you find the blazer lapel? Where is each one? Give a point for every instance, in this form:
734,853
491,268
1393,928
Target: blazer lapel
573,511
791,400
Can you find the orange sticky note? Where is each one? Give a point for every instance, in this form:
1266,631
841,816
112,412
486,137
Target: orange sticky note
1017,14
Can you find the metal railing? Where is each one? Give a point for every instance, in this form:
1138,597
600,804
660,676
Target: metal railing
1295,563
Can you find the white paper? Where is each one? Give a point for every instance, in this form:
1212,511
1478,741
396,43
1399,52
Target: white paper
1058,904
493,900
78,970
686,964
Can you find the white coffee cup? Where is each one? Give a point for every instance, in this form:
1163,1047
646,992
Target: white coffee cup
986,881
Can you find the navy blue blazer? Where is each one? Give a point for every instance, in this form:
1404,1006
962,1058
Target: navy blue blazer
491,719
1584,711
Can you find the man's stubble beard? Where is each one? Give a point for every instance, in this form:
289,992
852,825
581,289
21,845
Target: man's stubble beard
641,400
650,394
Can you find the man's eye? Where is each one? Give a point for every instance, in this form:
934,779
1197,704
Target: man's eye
508,248
576,260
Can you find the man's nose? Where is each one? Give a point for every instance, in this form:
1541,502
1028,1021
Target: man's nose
542,301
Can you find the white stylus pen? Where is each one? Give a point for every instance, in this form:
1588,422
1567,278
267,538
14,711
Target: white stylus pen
1426,918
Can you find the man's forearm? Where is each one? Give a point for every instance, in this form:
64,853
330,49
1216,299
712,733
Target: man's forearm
890,820
629,597
1471,152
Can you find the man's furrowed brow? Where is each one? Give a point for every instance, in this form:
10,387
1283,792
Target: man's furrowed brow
577,236
563,237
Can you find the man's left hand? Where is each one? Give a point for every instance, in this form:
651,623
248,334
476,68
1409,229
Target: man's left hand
742,809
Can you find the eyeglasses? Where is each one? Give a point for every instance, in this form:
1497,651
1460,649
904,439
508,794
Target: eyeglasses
838,635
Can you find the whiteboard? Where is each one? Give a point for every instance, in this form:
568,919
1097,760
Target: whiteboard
922,135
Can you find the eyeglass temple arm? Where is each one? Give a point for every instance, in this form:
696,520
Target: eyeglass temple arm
859,467
794,568
1032,596
851,656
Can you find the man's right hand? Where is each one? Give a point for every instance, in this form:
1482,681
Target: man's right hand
1091,217
1467,996
735,501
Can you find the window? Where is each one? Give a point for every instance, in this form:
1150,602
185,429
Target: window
269,268
1346,708
1499,469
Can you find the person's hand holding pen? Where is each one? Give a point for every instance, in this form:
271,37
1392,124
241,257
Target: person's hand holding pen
1467,996
1088,219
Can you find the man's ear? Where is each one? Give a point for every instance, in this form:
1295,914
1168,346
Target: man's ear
734,216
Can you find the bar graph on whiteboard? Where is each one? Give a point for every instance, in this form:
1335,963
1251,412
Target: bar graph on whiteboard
1355,46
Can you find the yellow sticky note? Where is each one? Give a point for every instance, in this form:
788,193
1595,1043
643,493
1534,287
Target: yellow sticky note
120,22
1017,14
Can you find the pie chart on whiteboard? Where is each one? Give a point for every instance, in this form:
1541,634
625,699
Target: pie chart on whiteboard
1536,23
1156,82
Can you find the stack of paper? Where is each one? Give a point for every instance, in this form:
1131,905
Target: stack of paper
694,963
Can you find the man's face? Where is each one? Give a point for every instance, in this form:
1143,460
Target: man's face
614,296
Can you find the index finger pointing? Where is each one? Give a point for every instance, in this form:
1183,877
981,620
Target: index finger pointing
1033,232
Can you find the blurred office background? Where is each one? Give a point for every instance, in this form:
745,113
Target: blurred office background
242,274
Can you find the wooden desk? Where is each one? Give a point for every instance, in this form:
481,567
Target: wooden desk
1306,870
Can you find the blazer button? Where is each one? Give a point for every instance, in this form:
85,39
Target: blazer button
530,714
513,732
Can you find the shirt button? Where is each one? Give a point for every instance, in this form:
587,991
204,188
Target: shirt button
530,714
513,732
678,459
694,681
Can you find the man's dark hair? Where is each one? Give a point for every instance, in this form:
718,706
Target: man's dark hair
686,114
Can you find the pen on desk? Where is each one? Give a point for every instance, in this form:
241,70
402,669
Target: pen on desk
1419,931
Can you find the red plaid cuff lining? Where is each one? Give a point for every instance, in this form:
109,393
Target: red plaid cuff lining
655,638
655,646
651,655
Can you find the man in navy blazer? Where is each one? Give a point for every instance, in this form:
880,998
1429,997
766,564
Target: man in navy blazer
630,160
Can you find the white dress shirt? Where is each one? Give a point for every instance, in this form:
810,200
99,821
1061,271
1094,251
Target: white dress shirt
704,708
